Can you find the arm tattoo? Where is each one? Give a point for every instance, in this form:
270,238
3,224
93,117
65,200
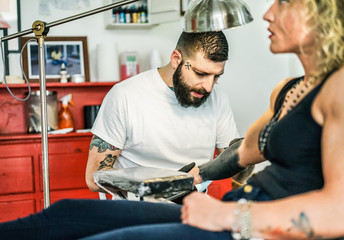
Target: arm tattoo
101,145
304,225
301,229
187,66
108,162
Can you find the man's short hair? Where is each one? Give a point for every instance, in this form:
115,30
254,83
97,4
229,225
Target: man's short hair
213,45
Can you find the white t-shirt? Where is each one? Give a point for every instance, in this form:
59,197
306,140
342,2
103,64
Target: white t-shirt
142,116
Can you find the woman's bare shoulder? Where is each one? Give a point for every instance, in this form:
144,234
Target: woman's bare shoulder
333,88
277,90
331,97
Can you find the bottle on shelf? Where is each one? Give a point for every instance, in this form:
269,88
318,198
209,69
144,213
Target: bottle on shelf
132,14
143,14
115,15
65,117
129,64
127,15
121,15
63,74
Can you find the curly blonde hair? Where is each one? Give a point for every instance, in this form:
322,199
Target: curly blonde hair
326,19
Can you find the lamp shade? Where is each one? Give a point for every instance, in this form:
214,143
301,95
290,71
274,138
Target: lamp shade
216,15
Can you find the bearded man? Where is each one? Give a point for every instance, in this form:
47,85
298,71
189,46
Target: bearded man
166,117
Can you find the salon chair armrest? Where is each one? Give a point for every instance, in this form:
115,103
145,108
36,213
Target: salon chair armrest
144,181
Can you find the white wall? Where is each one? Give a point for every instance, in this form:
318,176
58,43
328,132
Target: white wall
250,75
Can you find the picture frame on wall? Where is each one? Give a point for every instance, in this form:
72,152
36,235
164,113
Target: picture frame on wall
70,51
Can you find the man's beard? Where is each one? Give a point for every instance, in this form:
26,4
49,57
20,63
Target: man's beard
183,91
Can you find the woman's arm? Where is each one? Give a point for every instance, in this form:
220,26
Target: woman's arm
249,153
313,215
238,158
319,213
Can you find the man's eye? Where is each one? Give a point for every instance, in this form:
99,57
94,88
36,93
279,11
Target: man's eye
200,74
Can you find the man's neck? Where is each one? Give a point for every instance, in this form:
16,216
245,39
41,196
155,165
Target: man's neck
166,74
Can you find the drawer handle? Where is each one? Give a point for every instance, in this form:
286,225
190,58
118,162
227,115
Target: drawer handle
78,150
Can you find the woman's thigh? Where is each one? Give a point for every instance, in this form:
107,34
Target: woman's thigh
72,219
116,213
166,231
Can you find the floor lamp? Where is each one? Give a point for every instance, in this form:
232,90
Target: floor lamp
41,29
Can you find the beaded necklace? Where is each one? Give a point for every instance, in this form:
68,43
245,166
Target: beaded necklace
297,95
287,103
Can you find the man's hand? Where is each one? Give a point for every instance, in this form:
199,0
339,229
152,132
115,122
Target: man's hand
193,170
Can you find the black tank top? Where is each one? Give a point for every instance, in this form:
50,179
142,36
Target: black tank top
293,147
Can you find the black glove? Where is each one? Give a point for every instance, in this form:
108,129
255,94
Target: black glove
187,168
226,165
245,174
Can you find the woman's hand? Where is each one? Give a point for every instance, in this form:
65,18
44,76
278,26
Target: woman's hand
207,213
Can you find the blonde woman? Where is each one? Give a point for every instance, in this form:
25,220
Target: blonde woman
300,196
302,134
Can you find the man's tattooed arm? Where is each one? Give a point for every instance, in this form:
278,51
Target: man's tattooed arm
102,156
108,162
101,145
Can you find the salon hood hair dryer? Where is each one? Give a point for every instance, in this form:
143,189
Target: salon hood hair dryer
216,15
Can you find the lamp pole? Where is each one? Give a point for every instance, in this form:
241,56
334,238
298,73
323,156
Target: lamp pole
41,29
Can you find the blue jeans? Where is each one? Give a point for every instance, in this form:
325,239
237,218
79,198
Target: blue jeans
250,191
108,219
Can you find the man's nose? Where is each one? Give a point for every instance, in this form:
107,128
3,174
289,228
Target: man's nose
208,83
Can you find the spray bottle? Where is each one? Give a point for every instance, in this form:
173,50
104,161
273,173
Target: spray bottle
65,117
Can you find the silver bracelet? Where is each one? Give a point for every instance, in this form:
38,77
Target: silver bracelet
242,226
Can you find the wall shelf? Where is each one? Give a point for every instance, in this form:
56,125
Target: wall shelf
130,26
38,136
158,11
60,85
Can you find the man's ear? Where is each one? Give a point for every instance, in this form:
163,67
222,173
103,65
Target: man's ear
176,59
